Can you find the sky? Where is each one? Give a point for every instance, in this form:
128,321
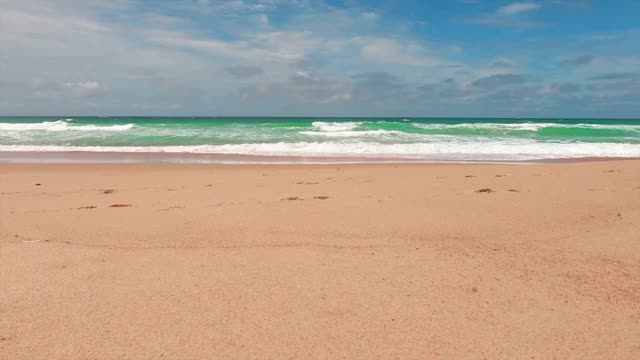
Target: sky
427,58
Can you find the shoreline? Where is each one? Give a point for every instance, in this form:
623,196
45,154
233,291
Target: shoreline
88,157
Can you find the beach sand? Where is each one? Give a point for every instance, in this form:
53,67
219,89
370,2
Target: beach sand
372,261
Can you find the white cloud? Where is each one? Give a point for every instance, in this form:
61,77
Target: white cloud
287,46
500,63
260,91
43,88
389,51
244,71
263,19
241,6
371,16
84,89
515,15
16,22
64,55
517,8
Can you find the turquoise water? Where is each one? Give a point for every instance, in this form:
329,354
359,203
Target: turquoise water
397,138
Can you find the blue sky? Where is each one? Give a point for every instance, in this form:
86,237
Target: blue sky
547,58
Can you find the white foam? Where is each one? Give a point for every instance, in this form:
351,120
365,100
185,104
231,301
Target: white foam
61,125
335,126
496,126
350,133
485,150
602,126
525,126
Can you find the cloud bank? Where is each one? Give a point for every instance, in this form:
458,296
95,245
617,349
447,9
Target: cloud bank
295,58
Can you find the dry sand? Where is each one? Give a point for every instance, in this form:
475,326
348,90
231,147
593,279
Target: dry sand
320,261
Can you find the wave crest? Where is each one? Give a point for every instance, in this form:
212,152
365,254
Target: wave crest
335,126
351,133
523,126
62,125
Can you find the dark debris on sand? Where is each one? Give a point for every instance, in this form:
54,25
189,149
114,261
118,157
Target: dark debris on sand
293,198
485,191
120,205
90,207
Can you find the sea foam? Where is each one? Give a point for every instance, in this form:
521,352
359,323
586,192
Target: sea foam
61,125
335,126
524,126
351,133
470,151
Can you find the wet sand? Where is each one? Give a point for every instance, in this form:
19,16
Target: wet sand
410,261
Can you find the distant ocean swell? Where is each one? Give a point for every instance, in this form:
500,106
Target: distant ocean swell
416,139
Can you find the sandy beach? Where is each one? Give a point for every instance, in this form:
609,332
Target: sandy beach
370,261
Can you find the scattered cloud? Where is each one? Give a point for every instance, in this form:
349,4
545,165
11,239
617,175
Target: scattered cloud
616,86
578,60
215,57
500,63
514,15
559,88
84,89
517,8
574,4
390,51
369,15
43,88
499,80
244,71
310,88
267,46
260,92
616,76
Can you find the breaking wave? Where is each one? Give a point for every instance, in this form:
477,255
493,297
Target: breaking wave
524,126
351,133
335,126
486,150
61,125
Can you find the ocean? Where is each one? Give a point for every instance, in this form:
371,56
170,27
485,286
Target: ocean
367,139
